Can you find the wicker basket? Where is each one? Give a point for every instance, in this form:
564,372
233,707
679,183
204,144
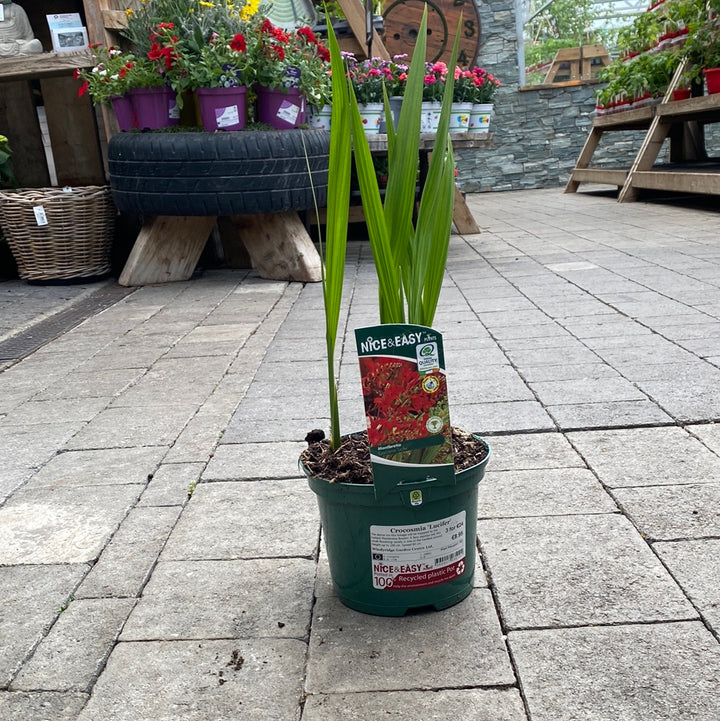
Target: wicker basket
74,244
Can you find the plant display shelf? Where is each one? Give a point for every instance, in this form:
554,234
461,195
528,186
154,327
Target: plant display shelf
680,121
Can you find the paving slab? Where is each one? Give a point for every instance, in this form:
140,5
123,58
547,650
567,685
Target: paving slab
670,512
462,705
62,525
245,430
597,370
506,385
501,417
532,451
127,561
647,457
709,434
249,461
172,484
110,466
246,519
656,672
617,414
700,401
32,599
269,598
200,680
423,651
508,494
153,425
60,410
41,705
586,390
555,571
73,654
695,565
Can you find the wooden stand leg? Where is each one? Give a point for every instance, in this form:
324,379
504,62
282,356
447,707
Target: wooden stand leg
462,217
583,161
279,246
167,249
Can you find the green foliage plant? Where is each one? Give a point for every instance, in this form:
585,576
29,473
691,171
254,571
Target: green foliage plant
7,178
409,256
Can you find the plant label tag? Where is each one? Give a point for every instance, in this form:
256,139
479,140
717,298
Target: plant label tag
402,368
420,555
2,13
288,112
40,216
227,116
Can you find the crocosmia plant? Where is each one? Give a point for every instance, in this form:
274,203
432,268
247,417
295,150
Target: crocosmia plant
409,254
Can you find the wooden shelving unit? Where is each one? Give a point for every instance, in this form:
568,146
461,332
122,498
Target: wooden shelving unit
680,121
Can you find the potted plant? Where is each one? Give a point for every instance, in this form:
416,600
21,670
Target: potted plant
463,90
702,48
109,81
368,79
485,85
219,74
415,493
289,69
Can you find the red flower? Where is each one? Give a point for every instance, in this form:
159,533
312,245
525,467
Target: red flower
83,89
324,53
267,26
308,34
238,43
76,74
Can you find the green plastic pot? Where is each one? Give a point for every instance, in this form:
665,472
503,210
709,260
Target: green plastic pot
412,548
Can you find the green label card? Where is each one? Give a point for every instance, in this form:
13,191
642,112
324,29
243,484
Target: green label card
406,406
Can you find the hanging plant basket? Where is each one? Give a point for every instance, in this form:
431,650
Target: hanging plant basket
59,233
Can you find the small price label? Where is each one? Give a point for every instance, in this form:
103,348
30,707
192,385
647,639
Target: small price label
40,216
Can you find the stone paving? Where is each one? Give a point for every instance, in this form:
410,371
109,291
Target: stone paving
161,558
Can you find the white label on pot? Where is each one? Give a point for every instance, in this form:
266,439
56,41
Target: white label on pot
288,112
2,13
227,116
418,556
40,217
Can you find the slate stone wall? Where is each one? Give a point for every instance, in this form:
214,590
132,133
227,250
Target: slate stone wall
537,134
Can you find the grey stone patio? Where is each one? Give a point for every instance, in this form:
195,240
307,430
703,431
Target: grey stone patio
161,557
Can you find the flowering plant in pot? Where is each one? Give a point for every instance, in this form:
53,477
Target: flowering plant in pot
110,77
412,492
484,85
434,80
222,62
368,78
286,59
464,86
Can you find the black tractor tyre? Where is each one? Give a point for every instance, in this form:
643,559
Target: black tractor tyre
223,173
